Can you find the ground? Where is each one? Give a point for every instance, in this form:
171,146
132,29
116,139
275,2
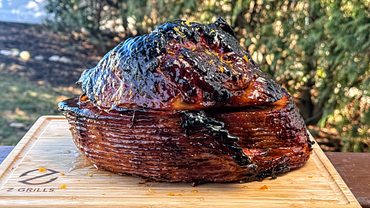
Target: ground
32,87
39,42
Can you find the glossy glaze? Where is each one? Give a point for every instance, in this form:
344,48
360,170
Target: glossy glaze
244,144
182,66
186,103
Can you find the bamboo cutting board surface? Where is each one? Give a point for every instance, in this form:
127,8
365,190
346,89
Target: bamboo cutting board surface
46,169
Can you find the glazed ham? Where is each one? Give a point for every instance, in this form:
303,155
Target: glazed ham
186,103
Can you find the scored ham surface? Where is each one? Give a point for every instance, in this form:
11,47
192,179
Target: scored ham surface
186,103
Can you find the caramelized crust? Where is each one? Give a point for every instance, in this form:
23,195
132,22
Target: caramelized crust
157,144
186,103
179,66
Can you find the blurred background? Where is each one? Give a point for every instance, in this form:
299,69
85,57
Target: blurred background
319,50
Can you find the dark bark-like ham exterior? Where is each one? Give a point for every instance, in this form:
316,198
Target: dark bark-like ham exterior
155,144
186,103
180,66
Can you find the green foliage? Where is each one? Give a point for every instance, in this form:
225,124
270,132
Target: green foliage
319,50
95,18
347,64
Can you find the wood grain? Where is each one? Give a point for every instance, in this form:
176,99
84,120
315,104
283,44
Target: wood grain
49,145
354,169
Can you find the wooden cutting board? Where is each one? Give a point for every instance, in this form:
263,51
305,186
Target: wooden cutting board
46,169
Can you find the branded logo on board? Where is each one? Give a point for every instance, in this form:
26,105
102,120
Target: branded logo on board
40,179
44,177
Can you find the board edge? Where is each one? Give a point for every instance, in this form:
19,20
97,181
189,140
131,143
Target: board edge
345,193
14,158
25,144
